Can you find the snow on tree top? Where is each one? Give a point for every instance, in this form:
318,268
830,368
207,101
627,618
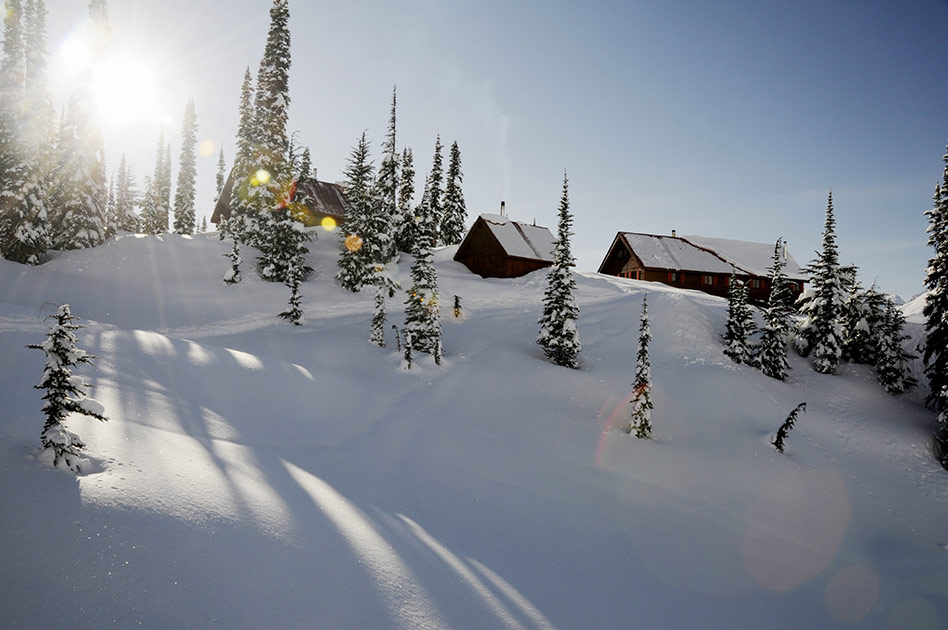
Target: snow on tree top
521,240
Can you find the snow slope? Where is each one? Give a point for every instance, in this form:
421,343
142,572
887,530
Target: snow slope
255,474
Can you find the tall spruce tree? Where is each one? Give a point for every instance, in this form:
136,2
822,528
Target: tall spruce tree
220,178
26,135
242,218
559,336
820,333
740,323
405,227
432,198
386,190
772,352
935,356
65,394
154,216
360,250
184,219
455,210
80,194
641,420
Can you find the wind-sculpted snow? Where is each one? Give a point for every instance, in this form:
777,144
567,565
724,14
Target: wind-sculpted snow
256,474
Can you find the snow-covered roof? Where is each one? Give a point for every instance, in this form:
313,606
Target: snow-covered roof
670,252
521,240
753,258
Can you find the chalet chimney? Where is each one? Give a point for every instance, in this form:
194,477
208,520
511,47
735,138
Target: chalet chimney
785,250
674,233
503,208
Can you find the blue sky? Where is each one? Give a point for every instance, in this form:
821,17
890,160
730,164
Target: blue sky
726,119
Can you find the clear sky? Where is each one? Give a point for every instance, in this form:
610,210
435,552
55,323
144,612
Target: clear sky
726,119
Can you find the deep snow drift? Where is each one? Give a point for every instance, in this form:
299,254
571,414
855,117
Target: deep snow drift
256,474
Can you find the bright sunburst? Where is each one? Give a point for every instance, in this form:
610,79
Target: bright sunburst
124,90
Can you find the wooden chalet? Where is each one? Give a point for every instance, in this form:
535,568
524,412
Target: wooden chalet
697,262
313,201
496,247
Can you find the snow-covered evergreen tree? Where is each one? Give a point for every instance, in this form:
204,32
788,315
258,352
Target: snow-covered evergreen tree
377,332
25,135
641,420
432,199
784,431
220,178
386,190
296,269
455,211
65,393
287,246
936,302
78,208
423,304
154,216
404,226
772,351
242,221
740,324
820,333
892,362
360,250
184,219
126,199
232,275
559,336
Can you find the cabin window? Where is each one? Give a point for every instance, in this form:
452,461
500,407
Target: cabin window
754,283
707,279
794,286
673,276
631,274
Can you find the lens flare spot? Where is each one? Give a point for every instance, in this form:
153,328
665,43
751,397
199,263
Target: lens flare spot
261,177
206,148
328,224
852,593
353,242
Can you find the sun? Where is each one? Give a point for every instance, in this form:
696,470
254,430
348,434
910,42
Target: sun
121,84
124,90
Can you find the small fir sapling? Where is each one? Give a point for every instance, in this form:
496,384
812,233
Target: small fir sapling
65,393
784,431
294,276
457,307
406,363
437,353
641,420
398,339
377,333
232,275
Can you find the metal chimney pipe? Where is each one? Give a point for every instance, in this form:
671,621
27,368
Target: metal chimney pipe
674,233
503,208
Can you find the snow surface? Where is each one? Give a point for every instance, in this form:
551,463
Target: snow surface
521,239
257,474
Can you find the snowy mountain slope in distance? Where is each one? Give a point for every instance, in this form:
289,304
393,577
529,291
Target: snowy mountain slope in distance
257,474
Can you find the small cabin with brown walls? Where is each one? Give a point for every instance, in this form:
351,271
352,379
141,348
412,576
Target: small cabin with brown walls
312,202
700,263
496,247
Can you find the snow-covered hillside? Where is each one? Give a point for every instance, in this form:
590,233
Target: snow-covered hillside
255,474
